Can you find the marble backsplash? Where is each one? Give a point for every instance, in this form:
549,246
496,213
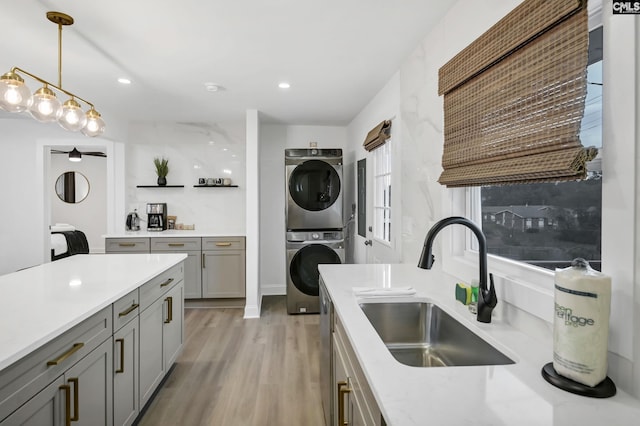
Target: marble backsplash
194,151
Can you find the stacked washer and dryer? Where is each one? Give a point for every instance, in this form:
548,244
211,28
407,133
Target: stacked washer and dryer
314,222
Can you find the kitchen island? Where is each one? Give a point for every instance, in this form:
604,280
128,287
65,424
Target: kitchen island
81,322
513,394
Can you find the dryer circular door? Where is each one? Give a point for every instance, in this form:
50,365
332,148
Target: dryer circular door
303,268
314,185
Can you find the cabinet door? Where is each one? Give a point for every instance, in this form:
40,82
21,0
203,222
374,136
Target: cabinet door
91,387
46,408
223,273
172,333
151,363
193,276
125,374
341,388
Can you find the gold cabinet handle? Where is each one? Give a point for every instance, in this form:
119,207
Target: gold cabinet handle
121,369
127,244
76,392
223,244
128,310
169,301
176,244
75,348
202,260
343,388
67,404
167,282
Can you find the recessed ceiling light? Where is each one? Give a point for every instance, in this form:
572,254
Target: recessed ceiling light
284,85
123,80
213,87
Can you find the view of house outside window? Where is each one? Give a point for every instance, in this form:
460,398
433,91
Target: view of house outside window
382,195
551,224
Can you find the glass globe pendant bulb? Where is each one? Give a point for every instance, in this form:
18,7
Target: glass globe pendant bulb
73,117
14,94
44,105
95,124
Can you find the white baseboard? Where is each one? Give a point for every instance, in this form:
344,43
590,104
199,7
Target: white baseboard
273,289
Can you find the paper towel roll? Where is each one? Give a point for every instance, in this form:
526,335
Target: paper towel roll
581,323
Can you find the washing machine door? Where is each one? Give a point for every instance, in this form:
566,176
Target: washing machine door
303,268
314,185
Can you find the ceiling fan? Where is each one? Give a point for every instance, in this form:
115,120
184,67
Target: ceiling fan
75,155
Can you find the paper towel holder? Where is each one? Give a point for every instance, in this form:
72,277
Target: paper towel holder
604,389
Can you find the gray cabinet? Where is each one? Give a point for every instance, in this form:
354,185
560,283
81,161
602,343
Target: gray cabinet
192,264
161,331
223,267
127,245
126,359
214,268
90,386
44,409
353,400
82,395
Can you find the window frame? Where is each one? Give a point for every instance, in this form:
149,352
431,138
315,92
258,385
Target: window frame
386,152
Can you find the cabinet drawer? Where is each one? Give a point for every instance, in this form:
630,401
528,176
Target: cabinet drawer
125,309
34,372
156,287
127,245
223,243
176,244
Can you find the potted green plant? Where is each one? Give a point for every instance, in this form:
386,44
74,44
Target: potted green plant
162,169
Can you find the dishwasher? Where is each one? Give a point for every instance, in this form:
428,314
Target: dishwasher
326,349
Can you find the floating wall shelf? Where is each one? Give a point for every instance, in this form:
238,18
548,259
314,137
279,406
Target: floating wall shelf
215,186
158,186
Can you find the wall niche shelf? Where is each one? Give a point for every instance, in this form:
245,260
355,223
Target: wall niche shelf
158,186
215,186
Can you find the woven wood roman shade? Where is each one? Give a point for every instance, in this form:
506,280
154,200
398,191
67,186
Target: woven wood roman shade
514,99
378,135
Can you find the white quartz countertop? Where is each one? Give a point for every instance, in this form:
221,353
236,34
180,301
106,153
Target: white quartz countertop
513,394
169,233
42,302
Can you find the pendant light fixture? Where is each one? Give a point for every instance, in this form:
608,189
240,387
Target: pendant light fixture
75,155
43,105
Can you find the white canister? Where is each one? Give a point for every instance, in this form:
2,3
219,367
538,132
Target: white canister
581,323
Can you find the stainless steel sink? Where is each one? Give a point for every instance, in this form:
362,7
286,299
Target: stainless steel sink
420,334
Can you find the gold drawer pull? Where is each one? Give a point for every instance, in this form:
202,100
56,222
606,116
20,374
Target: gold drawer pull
176,244
167,282
223,244
128,310
343,388
75,348
169,301
76,392
121,369
67,404
127,244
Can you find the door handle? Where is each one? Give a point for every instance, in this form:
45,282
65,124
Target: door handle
343,389
121,369
368,243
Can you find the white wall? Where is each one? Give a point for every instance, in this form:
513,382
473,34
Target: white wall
274,139
89,215
194,151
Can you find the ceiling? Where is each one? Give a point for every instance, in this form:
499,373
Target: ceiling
336,55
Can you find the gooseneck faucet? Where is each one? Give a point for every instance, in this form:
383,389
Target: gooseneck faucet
487,298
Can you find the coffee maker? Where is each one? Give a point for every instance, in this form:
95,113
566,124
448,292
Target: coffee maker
156,216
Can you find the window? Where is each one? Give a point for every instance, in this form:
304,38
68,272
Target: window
382,193
571,210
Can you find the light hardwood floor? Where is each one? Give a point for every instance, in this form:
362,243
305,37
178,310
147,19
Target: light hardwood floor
243,372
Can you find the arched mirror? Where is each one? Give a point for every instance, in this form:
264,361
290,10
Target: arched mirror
72,187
